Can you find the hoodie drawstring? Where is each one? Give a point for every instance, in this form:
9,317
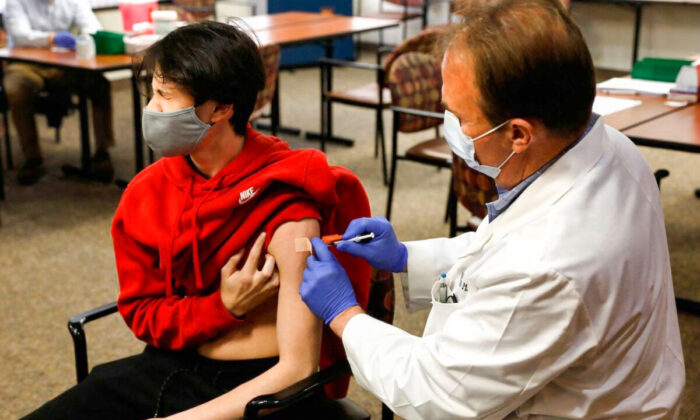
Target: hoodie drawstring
195,243
171,243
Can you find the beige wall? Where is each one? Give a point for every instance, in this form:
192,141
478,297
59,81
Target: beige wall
666,30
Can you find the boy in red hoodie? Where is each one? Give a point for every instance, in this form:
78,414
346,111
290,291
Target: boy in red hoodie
189,234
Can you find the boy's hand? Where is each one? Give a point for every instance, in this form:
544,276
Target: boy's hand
244,289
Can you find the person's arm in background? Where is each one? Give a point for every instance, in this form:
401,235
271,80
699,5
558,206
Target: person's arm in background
298,331
20,30
85,19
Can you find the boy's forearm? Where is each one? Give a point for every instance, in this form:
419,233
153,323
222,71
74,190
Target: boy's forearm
231,405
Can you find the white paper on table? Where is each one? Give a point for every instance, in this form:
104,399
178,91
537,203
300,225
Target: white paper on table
627,85
603,105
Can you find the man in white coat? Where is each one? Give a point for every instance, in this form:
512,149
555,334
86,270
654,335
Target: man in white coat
561,304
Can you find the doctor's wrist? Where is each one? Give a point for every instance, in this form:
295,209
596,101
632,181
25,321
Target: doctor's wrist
338,323
402,262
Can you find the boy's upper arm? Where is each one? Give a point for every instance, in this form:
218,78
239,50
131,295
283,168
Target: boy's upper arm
298,329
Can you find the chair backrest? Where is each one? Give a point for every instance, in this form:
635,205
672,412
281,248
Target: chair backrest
423,42
473,189
415,82
271,62
381,296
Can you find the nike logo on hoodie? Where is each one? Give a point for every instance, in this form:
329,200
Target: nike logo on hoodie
246,195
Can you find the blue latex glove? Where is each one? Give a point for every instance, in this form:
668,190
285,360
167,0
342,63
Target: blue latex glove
326,288
384,251
64,39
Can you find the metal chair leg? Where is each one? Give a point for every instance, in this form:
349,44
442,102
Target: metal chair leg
450,196
8,146
452,210
383,146
2,180
376,132
659,175
387,414
394,162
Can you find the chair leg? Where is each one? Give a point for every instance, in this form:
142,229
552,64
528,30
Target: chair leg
376,131
329,122
394,162
659,175
57,135
2,180
8,146
387,414
452,209
322,70
448,208
383,146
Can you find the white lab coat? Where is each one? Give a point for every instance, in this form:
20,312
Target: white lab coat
565,304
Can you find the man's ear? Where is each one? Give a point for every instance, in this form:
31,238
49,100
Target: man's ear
222,112
521,134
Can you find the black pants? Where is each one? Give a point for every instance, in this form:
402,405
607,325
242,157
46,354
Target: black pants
155,383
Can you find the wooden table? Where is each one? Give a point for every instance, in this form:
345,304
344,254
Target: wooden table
278,20
678,130
101,63
294,28
652,107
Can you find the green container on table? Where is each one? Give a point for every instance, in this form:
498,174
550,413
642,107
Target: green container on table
659,69
108,43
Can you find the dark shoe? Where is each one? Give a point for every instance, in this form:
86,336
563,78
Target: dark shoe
101,167
31,172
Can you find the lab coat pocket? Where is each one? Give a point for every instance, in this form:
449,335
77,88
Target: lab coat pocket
440,311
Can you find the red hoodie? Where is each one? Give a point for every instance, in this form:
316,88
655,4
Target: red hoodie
175,229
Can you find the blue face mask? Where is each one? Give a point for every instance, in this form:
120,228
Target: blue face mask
174,133
463,145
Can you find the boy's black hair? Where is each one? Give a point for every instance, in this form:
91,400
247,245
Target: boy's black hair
211,61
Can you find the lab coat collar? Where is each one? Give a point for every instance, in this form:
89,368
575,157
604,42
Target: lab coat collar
554,183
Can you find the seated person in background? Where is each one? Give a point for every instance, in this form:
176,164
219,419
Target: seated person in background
216,336
43,24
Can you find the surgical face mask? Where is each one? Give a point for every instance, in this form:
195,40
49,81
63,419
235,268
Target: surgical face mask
174,133
463,145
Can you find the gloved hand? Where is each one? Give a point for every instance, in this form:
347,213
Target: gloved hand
326,288
64,39
384,251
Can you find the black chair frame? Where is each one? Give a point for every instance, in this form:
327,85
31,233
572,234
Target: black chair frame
327,65
293,394
395,157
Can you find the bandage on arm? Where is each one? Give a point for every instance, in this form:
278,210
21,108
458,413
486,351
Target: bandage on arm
304,244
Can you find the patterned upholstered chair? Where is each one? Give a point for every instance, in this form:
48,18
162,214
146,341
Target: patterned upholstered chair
271,62
380,306
472,190
415,83
375,96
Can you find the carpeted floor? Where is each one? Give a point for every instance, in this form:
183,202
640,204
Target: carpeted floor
56,257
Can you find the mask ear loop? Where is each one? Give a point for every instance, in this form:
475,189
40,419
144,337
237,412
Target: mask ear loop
507,159
211,123
491,131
